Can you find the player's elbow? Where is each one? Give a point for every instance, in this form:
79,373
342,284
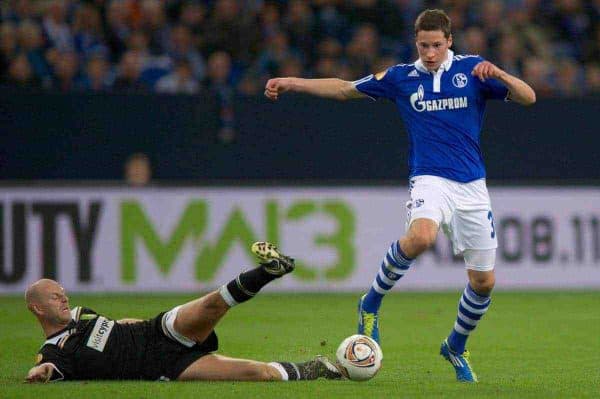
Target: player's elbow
531,98
346,91
342,95
528,98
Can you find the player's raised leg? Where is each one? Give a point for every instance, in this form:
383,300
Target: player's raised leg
473,304
195,320
396,262
217,367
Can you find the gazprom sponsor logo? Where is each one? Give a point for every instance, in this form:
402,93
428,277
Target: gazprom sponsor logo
419,104
100,334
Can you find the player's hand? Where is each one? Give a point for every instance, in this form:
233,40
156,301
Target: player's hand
486,70
41,373
276,86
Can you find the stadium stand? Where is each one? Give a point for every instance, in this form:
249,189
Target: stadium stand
167,45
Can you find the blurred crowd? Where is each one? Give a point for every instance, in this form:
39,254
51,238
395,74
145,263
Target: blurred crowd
226,47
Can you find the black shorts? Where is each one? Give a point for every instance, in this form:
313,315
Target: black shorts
166,358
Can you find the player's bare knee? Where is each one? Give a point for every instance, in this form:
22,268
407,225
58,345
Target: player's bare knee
420,242
483,284
425,241
480,264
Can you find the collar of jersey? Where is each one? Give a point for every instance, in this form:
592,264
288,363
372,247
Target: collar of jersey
445,65
54,338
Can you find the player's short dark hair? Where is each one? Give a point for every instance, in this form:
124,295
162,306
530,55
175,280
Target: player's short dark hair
430,20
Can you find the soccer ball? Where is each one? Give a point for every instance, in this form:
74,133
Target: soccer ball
359,357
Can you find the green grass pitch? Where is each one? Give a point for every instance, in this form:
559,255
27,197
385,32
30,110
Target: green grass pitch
529,345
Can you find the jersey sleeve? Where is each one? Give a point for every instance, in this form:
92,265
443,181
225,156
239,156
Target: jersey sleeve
63,367
378,85
492,89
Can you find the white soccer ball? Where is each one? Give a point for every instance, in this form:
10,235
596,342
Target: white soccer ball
359,357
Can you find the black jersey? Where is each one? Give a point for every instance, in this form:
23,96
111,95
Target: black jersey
92,346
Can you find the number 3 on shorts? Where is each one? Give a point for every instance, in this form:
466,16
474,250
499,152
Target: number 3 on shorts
491,219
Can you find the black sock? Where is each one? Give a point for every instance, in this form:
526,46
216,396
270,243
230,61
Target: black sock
292,370
247,284
311,370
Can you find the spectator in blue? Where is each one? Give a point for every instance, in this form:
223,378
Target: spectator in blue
98,76
56,28
181,47
180,81
88,32
330,21
573,25
117,28
129,72
31,43
153,66
274,54
299,22
153,23
270,21
219,83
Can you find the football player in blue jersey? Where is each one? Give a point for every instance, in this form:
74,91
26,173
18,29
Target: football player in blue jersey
441,98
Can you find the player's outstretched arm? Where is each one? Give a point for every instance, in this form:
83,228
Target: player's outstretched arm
520,92
41,373
336,89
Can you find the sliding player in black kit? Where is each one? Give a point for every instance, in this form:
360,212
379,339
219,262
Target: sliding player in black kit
175,345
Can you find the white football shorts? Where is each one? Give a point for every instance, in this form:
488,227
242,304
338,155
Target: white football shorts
462,210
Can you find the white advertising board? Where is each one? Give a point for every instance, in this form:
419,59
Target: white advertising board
195,239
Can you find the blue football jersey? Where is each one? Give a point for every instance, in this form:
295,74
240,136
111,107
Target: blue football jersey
442,111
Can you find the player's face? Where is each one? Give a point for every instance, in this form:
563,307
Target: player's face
56,304
433,48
